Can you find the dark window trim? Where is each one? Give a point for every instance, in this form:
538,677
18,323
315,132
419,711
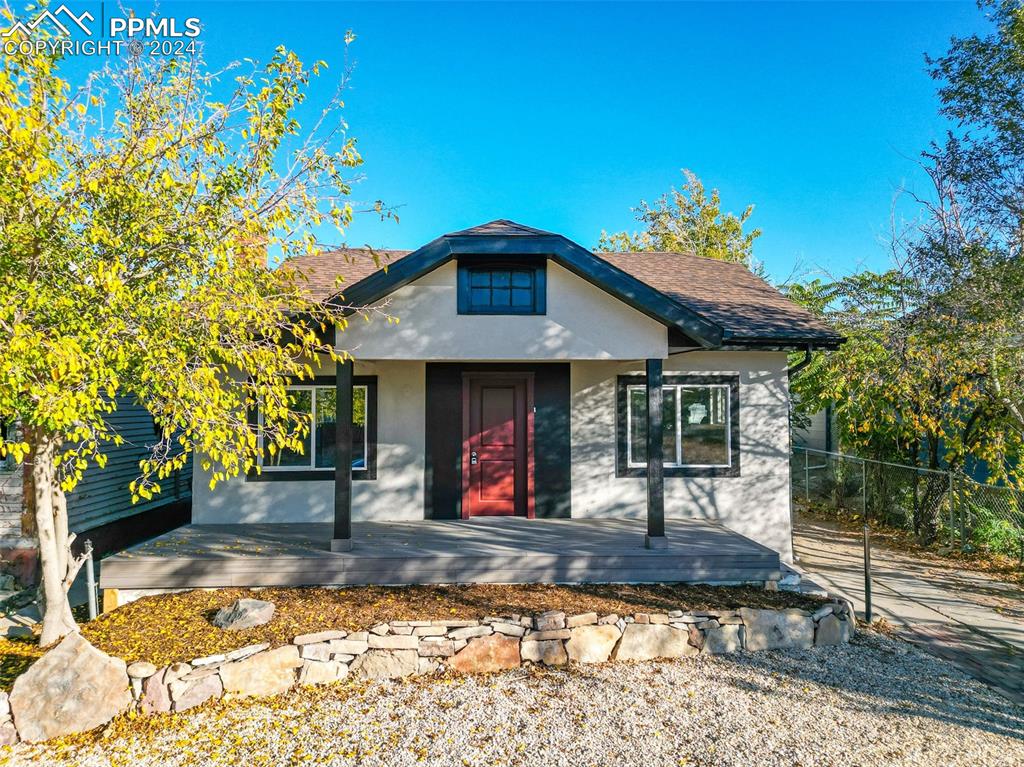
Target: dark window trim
540,288
327,475
622,467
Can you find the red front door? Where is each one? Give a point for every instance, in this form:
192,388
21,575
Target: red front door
497,466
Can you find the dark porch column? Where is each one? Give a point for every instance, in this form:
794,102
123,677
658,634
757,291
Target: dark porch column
655,538
342,538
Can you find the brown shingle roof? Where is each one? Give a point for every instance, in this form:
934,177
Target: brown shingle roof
726,294
501,227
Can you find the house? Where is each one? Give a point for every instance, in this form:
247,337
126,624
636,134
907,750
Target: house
534,398
100,508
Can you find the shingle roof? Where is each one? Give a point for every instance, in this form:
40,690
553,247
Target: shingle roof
726,293
745,307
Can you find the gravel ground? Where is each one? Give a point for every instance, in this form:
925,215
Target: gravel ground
877,701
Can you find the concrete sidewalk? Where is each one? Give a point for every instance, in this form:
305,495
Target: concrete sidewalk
970,619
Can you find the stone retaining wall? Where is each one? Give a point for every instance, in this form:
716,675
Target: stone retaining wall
406,648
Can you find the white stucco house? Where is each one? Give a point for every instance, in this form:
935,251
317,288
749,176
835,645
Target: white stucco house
530,386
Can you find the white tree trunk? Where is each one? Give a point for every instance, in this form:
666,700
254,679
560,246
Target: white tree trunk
54,545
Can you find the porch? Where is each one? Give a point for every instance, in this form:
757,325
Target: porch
480,550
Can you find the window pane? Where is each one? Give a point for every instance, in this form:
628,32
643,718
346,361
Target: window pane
669,418
359,427
638,425
522,297
500,279
480,278
501,297
522,279
326,426
705,425
301,402
480,297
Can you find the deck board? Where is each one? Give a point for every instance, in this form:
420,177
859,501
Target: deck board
506,550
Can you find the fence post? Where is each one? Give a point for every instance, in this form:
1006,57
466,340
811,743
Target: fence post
807,477
952,503
962,508
867,541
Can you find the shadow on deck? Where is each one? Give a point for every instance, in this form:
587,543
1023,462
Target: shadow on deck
502,550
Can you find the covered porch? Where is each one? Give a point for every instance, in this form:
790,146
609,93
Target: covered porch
479,550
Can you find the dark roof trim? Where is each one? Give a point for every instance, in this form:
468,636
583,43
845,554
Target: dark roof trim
822,343
562,251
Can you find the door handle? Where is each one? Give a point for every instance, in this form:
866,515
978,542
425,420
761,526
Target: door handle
472,458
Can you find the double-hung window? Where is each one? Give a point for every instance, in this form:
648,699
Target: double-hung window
700,422
316,460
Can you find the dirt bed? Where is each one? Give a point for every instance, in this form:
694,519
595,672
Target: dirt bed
173,627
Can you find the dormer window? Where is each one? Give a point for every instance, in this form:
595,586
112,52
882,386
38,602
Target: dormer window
502,288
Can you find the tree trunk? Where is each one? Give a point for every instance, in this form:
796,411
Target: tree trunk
54,547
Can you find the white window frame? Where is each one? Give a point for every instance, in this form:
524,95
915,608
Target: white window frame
311,465
676,463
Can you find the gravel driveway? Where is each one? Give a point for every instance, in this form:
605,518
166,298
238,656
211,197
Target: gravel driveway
877,701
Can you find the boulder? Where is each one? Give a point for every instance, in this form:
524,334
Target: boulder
540,636
831,631
644,641
469,632
510,629
385,664
584,619
496,652
187,694
723,640
5,705
777,629
348,646
319,636
141,670
550,652
156,698
266,673
73,688
244,614
320,651
592,644
319,672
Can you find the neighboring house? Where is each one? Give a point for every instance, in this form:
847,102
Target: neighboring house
818,431
100,508
516,384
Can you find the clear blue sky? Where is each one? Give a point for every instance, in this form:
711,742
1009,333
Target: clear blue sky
563,116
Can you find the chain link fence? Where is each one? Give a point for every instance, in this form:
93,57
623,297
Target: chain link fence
938,507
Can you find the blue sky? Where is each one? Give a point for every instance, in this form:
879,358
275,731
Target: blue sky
564,116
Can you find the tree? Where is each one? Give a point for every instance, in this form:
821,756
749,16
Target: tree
136,217
688,220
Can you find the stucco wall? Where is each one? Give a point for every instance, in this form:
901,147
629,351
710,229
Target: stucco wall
396,494
755,504
582,322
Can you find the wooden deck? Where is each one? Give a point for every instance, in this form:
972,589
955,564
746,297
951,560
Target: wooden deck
496,550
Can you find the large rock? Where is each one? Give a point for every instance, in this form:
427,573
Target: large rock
265,673
777,629
550,652
8,735
831,630
319,672
644,641
592,644
723,640
187,694
496,652
73,688
244,614
156,698
385,664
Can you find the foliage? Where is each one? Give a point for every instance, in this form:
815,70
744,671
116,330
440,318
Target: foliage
136,217
688,220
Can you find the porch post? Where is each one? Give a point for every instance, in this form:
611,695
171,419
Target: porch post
342,538
655,538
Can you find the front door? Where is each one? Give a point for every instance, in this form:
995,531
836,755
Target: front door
497,465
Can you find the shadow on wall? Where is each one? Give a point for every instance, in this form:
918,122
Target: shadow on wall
755,504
